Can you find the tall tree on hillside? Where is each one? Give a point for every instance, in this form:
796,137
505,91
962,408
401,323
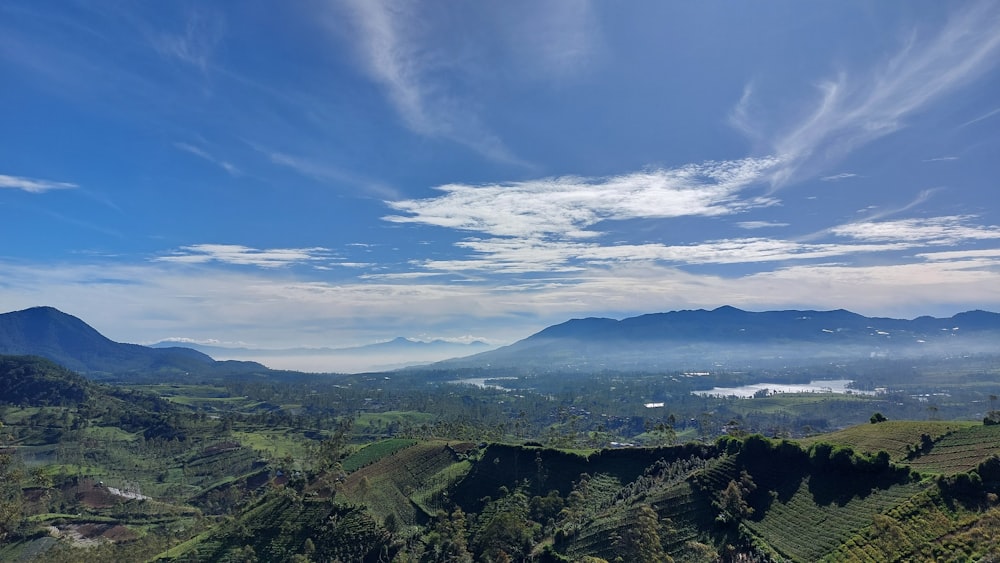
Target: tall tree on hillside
640,543
11,501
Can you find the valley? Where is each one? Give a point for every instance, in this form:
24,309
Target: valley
234,462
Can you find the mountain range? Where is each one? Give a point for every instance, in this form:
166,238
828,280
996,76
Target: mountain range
394,346
732,338
692,339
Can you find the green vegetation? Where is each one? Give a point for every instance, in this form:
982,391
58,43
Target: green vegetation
375,451
314,468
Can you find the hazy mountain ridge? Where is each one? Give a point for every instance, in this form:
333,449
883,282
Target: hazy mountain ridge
72,343
730,336
397,344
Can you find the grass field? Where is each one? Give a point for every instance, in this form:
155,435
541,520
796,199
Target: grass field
273,441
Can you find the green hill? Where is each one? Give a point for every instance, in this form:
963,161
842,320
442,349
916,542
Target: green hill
34,381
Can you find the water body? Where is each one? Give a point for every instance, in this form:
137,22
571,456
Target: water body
481,382
818,386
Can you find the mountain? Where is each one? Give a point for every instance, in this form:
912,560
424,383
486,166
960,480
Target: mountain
731,338
72,343
399,344
381,356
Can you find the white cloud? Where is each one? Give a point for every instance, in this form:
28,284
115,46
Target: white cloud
759,224
935,230
33,185
515,256
841,176
565,208
245,256
856,108
271,309
962,254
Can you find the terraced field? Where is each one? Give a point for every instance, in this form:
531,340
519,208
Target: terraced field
914,530
688,511
804,530
959,451
389,485
891,436
373,452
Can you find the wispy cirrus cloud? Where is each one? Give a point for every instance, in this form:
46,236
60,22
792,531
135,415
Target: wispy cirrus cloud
513,256
760,224
983,117
395,43
855,108
33,185
930,231
245,256
196,43
201,153
837,177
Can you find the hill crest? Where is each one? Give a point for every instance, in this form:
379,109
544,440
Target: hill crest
67,340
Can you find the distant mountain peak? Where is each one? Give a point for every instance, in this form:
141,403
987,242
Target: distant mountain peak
67,340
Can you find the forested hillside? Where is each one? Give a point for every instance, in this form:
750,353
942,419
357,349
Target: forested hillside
181,471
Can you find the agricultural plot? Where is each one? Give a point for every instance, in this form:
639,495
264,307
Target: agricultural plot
960,451
893,437
607,509
917,529
373,452
388,485
803,530
275,442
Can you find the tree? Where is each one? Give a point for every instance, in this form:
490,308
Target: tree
11,501
877,417
446,540
640,543
733,501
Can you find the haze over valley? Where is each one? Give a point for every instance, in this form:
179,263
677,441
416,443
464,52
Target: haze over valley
562,281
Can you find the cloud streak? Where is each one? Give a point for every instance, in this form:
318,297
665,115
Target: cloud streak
33,185
245,256
408,66
932,231
225,165
856,108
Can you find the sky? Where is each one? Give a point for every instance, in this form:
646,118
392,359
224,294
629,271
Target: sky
335,173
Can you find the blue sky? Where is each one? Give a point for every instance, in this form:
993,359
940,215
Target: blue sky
323,173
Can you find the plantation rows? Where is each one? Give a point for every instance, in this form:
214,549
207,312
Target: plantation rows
386,485
373,452
803,530
961,451
906,531
686,510
894,437
273,531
